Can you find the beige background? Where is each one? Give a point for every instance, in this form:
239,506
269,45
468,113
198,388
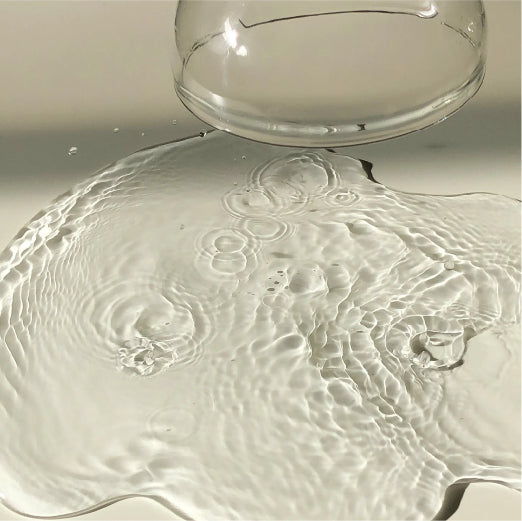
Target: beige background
72,71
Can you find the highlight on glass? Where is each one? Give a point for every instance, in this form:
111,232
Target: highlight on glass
328,73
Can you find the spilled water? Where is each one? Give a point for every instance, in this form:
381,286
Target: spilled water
247,331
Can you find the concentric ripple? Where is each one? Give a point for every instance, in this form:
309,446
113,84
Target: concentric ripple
283,187
430,341
246,331
226,252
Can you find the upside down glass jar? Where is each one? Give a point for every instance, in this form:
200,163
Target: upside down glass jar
322,73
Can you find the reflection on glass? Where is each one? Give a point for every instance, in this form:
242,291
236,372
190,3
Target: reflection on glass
327,73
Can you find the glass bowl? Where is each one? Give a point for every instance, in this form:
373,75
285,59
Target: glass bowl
327,73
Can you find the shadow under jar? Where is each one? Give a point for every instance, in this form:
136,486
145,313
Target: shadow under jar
328,73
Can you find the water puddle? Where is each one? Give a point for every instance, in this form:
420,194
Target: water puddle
248,331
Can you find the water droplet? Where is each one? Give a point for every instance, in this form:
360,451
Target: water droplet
174,122
449,265
142,134
72,151
243,157
115,130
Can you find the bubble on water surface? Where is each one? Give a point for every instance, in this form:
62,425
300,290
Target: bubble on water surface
449,265
210,332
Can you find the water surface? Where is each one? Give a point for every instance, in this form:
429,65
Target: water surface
249,331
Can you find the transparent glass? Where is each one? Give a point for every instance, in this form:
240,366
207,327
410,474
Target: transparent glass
328,73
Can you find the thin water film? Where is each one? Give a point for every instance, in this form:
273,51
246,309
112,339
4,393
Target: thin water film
245,331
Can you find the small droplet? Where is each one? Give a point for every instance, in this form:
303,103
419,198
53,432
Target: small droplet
115,130
142,134
72,151
449,265
243,157
174,122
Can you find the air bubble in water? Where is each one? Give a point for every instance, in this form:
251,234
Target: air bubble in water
298,341
143,357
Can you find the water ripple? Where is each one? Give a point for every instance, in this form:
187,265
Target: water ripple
208,331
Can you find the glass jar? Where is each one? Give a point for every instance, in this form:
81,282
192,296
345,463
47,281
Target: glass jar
327,73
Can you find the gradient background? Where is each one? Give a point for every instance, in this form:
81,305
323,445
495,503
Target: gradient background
71,71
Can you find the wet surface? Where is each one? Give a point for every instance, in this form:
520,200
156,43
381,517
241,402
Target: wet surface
214,320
